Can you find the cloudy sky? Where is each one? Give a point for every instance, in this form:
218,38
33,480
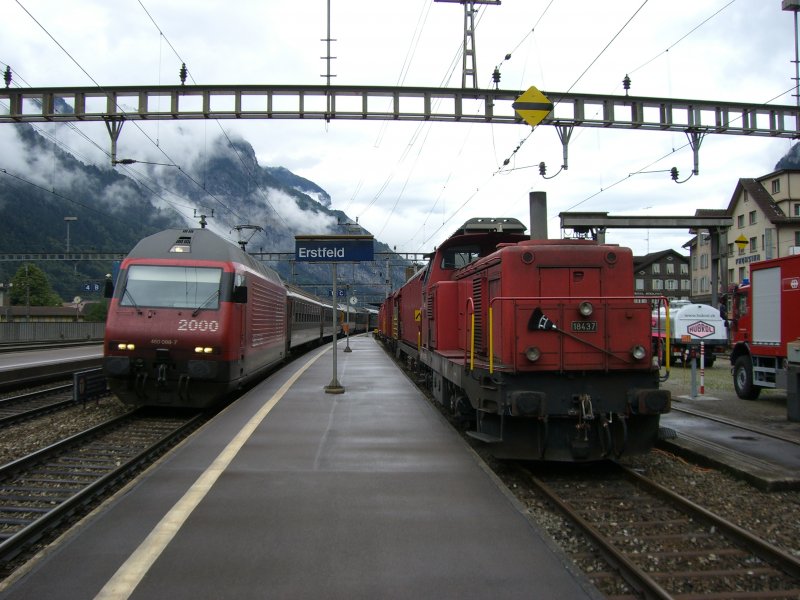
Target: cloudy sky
412,184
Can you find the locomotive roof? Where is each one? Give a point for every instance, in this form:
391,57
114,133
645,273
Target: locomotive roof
491,225
196,244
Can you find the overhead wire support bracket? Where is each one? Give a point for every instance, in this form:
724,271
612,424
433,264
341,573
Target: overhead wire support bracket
564,134
695,139
114,127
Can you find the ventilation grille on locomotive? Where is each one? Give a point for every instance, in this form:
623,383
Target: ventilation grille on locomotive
477,299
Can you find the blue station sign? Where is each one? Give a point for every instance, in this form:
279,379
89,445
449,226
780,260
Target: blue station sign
334,248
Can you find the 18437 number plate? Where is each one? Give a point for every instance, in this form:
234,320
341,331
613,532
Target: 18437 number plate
584,326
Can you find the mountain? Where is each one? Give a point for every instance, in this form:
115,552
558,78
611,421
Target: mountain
791,160
115,208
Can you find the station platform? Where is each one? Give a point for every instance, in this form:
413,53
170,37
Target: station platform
751,438
292,492
17,367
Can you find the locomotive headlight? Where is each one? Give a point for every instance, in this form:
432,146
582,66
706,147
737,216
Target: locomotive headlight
533,354
203,350
126,346
586,308
638,352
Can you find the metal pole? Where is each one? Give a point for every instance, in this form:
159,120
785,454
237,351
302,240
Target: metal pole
334,387
347,331
796,64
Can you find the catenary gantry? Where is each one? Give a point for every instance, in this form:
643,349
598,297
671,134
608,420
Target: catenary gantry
121,103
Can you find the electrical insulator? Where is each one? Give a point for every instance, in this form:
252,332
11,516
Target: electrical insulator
542,169
183,73
673,172
626,84
496,77
7,76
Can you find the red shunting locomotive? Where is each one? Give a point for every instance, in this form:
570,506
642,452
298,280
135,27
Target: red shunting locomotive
540,345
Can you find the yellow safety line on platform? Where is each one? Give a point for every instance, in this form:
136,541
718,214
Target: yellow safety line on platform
130,574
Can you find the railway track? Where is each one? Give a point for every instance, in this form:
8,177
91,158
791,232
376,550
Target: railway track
28,405
663,545
42,491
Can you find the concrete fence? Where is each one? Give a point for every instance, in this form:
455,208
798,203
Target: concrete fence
12,333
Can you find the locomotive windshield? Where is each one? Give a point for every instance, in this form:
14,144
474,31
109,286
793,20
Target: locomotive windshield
460,256
172,287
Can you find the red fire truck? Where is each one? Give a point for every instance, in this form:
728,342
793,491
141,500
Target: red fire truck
764,316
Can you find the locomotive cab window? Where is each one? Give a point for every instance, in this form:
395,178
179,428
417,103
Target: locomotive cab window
460,256
172,287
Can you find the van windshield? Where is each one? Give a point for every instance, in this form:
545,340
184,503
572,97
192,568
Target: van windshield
172,287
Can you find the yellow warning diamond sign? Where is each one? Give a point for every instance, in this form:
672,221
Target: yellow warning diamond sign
532,106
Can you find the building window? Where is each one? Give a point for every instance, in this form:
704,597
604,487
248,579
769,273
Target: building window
694,286
639,285
684,269
704,287
704,261
753,244
752,217
670,268
776,186
730,249
742,274
656,268
730,275
797,238
657,284
797,210
671,284
740,221
741,249
694,262
686,284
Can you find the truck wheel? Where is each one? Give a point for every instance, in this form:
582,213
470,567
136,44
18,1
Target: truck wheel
743,379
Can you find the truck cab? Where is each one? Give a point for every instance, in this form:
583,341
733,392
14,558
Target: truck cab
763,320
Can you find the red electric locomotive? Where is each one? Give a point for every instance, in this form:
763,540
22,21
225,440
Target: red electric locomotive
193,318
540,344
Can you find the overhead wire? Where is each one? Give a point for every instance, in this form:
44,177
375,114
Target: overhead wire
406,152
232,146
141,179
674,150
556,101
123,112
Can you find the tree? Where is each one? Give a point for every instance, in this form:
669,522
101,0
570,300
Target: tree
30,287
96,312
